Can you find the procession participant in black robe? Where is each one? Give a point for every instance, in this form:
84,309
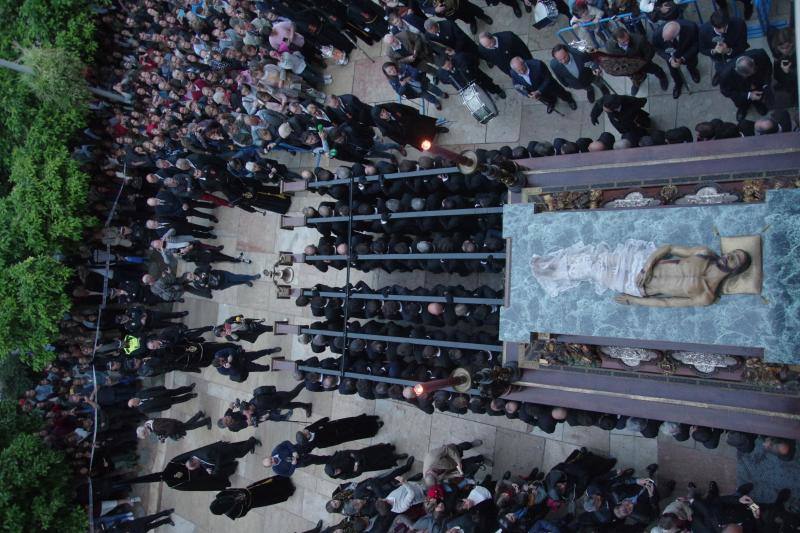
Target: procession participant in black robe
187,356
325,433
347,464
254,195
206,468
238,328
405,125
235,503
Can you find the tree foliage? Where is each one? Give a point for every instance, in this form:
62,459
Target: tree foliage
35,482
57,78
32,300
15,378
42,189
36,489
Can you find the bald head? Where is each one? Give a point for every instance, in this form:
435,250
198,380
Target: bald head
435,309
670,31
596,146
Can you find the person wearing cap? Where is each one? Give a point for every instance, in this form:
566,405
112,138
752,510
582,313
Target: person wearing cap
236,503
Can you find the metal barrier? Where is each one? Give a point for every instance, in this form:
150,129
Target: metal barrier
599,28
402,297
279,364
383,257
393,176
290,329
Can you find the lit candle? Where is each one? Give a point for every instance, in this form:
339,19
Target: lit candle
427,146
436,384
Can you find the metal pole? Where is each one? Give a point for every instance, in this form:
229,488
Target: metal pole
382,257
405,298
473,211
407,340
797,34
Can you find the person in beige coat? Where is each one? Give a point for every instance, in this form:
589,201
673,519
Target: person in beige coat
448,461
411,48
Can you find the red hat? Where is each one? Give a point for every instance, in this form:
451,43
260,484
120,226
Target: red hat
436,492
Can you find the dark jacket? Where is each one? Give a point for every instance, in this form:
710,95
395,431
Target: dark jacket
451,36
685,45
540,78
736,87
509,46
735,37
638,46
565,77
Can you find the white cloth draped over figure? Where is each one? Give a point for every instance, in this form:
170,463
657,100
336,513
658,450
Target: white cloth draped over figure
607,268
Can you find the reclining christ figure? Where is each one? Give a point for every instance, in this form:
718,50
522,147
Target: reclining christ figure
667,276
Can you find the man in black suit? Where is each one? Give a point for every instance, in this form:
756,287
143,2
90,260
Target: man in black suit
348,109
636,46
181,227
722,38
576,70
778,121
532,79
498,49
461,69
624,112
678,44
450,36
748,80
157,399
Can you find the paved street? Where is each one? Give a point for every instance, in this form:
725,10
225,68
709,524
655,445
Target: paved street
511,444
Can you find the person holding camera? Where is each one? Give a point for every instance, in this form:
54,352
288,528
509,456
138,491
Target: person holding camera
748,81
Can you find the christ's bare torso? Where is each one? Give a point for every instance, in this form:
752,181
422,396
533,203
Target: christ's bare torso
686,277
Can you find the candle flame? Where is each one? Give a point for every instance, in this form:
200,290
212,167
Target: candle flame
426,145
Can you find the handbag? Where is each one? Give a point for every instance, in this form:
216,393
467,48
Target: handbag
545,13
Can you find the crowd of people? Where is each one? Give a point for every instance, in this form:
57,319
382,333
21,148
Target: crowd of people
215,90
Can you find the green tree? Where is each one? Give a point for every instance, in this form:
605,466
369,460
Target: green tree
57,76
32,301
15,377
36,489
